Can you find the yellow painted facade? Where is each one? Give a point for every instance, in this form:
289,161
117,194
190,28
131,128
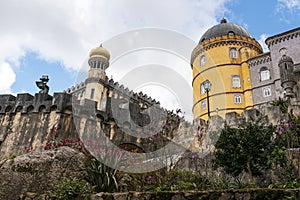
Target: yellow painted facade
225,66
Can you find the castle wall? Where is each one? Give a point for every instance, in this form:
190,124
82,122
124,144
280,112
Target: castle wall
42,121
26,122
289,40
256,65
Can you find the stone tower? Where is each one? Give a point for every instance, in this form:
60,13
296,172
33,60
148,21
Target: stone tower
98,62
286,69
221,57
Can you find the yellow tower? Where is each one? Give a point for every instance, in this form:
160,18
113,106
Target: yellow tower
221,58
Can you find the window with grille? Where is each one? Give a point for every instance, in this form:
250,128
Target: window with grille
233,52
236,81
237,99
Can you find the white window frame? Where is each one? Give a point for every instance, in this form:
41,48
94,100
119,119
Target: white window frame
264,74
233,52
237,98
203,60
236,81
267,92
203,104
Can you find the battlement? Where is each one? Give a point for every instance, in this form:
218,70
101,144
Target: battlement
75,88
270,114
116,87
288,35
40,102
110,83
261,59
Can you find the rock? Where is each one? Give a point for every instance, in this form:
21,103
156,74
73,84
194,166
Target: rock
38,172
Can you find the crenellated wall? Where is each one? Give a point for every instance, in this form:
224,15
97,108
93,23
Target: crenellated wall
26,121
42,121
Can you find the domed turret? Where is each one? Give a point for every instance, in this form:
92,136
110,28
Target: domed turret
224,28
100,51
98,62
221,57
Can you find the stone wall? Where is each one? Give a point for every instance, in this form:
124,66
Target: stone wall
26,122
29,123
243,194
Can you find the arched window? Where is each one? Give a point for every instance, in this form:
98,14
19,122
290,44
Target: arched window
236,81
233,52
202,60
203,105
266,91
264,74
202,90
92,93
231,33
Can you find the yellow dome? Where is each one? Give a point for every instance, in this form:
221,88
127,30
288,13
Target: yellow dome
100,51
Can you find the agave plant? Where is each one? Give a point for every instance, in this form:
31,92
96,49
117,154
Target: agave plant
102,177
282,103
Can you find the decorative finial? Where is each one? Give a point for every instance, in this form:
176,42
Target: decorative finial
42,85
223,21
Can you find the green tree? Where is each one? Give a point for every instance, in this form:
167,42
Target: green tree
245,148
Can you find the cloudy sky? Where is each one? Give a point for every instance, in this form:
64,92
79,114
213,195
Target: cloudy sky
54,37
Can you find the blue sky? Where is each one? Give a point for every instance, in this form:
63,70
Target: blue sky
54,37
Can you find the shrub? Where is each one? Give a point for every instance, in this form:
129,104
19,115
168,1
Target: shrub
71,189
246,148
13,156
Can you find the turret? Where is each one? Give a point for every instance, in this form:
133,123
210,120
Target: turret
98,62
221,57
286,68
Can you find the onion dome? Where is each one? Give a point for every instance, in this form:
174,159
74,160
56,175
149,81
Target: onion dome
100,51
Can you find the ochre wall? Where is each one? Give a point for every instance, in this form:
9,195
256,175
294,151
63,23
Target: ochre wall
218,69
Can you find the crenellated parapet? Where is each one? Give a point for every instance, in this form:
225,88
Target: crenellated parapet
225,40
40,102
78,87
260,59
283,37
41,121
124,91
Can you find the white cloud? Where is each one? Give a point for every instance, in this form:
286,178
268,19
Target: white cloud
289,4
288,9
262,40
7,78
65,31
